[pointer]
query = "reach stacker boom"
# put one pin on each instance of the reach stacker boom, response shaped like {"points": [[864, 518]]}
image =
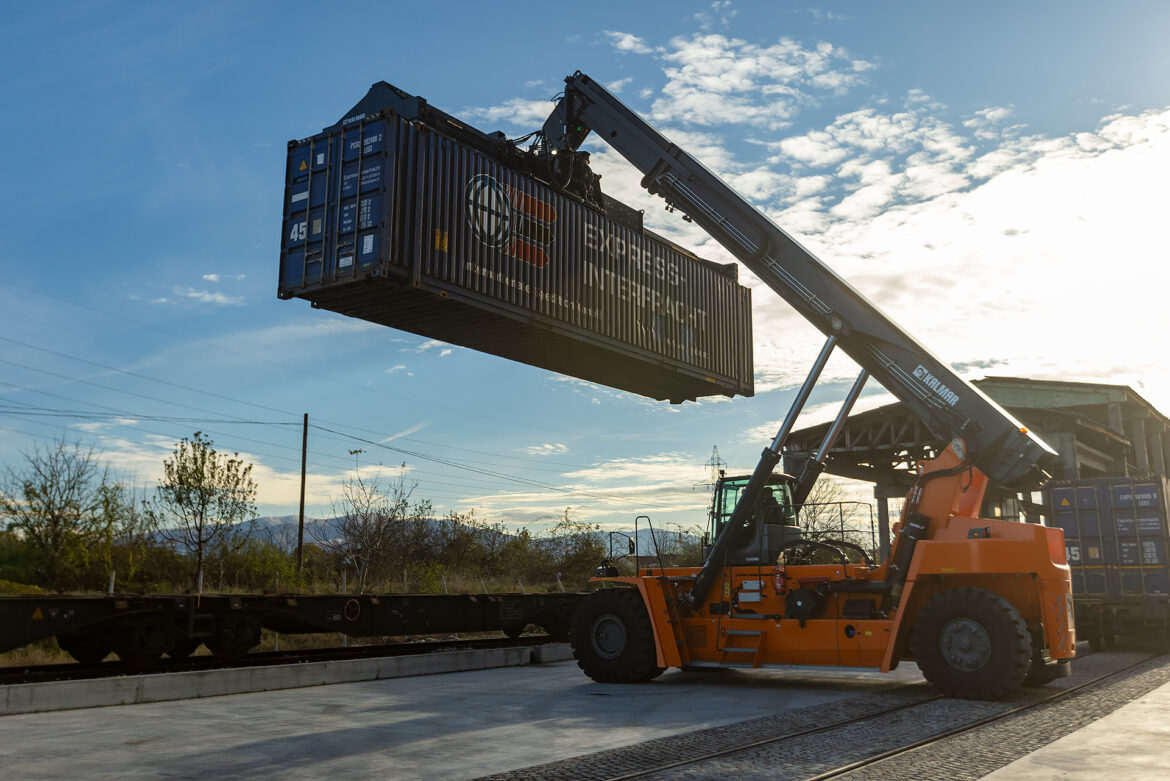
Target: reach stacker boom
{"points": [[982, 605]]}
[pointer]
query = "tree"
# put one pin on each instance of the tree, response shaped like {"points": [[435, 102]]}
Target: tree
{"points": [[829, 513], [52, 503], [206, 500], [121, 531], [368, 525]]}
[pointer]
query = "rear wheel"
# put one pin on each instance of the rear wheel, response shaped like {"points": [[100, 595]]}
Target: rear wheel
{"points": [[613, 639], [973, 644]]}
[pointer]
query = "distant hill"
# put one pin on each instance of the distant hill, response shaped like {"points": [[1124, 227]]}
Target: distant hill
{"points": [[281, 530]]}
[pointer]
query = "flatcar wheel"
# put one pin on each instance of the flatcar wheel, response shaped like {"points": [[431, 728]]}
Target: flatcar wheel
{"points": [[233, 639], [613, 638], [513, 632], [183, 648], [136, 646], [559, 624], [973, 644], [89, 648]]}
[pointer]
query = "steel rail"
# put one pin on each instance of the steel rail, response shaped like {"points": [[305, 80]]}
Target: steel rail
{"points": [[837, 772], [895, 752], [776, 739]]}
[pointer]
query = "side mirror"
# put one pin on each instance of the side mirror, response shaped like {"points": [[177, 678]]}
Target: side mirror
{"points": [[632, 548]]}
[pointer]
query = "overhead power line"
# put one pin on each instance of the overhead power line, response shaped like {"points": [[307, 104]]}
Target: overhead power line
{"points": [[209, 343], [268, 408]]}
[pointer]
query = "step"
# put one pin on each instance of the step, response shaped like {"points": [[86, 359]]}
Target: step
{"points": [[744, 632], [740, 650]]}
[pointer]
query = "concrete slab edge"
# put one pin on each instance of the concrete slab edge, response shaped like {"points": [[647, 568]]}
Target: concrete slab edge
{"points": [[132, 689]]}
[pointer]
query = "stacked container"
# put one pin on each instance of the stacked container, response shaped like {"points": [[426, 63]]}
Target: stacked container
{"points": [[1115, 533], [393, 220]]}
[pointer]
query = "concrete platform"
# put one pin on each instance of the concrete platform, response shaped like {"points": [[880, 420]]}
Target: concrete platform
{"points": [[452, 726], [1133, 742], [163, 687]]}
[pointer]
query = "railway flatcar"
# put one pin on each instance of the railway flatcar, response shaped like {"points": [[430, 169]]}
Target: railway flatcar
{"points": [[140, 628]]}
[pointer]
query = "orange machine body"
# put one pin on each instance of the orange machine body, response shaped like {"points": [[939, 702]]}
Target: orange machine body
{"points": [[746, 620]]}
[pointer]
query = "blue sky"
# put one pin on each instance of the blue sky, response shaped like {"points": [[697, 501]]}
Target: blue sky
{"points": [[986, 174]]}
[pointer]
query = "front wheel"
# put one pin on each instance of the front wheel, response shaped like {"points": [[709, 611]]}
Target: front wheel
{"points": [[973, 644], [613, 638]]}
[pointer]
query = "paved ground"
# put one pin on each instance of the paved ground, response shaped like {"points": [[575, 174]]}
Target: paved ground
{"points": [[1133, 742], [457, 725]]}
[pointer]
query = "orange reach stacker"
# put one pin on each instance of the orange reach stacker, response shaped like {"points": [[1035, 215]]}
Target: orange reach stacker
{"points": [[982, 605]]}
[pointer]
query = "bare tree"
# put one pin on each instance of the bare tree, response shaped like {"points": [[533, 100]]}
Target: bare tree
{"points": [[830, 513], [52, 503], [205, 501], [368, 524]]}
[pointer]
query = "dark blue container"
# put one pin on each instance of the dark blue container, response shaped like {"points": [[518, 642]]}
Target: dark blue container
{"points": [[1116, 535], [407, 222]]}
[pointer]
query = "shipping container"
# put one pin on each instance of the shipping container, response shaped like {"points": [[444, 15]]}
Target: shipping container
{"points": [[1116, 533], [403, 220]]}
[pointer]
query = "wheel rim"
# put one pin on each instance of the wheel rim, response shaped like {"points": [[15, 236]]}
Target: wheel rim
{"points": [[608, 636], [965, 644]]}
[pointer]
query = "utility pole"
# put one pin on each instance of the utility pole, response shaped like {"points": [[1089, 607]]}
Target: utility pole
{"points": [[301, 519]]}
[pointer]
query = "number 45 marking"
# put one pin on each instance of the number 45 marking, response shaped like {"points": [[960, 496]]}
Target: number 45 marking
{"points": [[298, 231]]}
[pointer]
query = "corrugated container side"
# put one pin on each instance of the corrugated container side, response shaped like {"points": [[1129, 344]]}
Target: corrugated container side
{"points": [[395, 223], [1116, 534]]}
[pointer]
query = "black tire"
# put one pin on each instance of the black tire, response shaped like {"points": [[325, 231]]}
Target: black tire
{"points": [[88, 648], [514, 632], [1037, 670], [973, 644], [612, 637]]}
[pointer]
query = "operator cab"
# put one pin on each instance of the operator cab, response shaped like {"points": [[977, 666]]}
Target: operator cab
{"points": [[772, 523]]}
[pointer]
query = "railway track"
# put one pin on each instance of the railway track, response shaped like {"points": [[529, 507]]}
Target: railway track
{"points": [[885, 735], [75, 671]]}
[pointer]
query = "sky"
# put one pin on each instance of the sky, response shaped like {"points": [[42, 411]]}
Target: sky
{"points": [[990, 175]]}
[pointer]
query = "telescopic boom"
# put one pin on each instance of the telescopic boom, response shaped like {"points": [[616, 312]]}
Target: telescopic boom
{"points": [[999, 445]]}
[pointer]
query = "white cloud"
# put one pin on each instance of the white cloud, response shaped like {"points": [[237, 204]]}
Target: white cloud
{"points": [[97, 426], [716, 80], [208, 297], [617, 86], [667, 486], [628, 43], [547, 449], [219, 277], [517, 112], [720, 14]]}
